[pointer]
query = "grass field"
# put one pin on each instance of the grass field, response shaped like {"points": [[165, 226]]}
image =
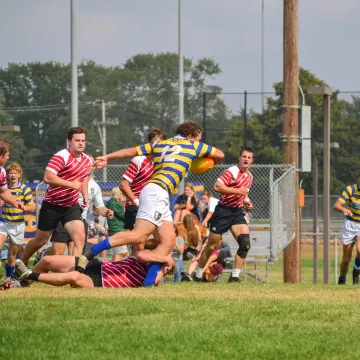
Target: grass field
{"points": [[181, 321], [184, 321]]}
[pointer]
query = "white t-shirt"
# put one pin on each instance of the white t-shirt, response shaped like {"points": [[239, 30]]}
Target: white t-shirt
{"points": [[211, 204], [94, 197]]}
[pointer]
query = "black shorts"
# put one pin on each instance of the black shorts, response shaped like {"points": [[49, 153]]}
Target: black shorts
{"points": [[93, 270], [51, 214], [60, 235], [130, 216], [224, 218]]}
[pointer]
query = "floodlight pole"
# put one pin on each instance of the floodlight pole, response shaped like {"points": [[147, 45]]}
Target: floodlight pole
{"points": [[181, 80], [74, 76]]}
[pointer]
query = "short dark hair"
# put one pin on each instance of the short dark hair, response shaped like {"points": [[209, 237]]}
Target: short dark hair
{"points": [[4, 147], [76, 130], [246, 148], [156, 132], [189, 128]]}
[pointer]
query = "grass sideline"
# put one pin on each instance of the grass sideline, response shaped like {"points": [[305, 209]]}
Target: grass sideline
{"points": [[181, 321]]}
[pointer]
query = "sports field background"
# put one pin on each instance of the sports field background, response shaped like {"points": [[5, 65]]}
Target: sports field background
{"points": [[181, 321]]}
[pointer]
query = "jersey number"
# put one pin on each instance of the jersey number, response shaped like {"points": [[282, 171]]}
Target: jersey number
{"points": [[170, 157]]}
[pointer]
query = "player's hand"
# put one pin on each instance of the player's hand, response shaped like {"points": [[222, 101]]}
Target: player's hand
{"points": [[100, 162], [169, 261], [347, 212], [76, 184], [249, 206], [85, 203], [109, 214], [2, 202], [205, 223], [21, 206]]}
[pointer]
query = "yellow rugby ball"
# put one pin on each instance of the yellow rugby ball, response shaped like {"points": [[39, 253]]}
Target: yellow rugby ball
{"points": [[202, 165]]}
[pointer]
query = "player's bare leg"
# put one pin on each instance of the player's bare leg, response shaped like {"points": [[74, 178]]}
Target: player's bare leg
{"points": [[142, 230], [61, 270], [55, 263], [212, 244], [241, 234], [58, 249], [73, 278], [35, 244], [76, 230]]}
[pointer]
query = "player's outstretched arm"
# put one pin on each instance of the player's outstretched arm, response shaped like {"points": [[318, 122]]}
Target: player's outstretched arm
{"points": [[151, 256], [102, 161]]}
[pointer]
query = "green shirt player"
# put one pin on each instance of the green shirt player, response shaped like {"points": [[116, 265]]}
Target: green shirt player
{"points": [[349, 204], [172, 160]]}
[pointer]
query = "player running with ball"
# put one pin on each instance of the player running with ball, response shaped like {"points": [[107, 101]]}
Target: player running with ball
{"points": [[172, 160]]}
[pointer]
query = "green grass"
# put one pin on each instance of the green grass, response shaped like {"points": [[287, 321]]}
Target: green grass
{"points": [[181, 321]]}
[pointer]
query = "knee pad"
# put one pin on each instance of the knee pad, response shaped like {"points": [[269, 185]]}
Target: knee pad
{"points": [[244, 245]]}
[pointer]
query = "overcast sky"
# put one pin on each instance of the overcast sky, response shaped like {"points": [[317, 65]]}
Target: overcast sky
{"points": [[229, 31]]}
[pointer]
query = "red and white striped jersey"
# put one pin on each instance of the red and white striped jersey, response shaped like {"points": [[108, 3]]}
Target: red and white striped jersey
{"points": [[138, 173], [67, 167], [235, 178], [125, 273], [3, 183]]}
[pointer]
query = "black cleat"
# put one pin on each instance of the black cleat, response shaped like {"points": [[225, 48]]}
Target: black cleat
{"points": [[197, 279], [233, 279], [186, 278], [356, 274], [342, 282]]}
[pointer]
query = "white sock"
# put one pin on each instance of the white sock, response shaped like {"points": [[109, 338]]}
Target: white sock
{"points": [[235, 273], [199, 273]]}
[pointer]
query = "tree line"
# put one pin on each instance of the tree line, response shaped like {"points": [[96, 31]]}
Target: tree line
{"points": [[144, 92]]}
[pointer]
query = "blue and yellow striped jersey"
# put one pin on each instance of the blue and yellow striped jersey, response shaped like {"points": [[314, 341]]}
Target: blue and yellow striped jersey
{"points": [[22, 193], [173, 158], [351, 196]]}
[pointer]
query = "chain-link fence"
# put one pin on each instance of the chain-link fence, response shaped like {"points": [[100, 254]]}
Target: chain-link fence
{"points": [[272, 193]]}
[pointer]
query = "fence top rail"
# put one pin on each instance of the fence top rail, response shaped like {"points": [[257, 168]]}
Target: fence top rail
{"points": [[283, 175], [256, 166]]}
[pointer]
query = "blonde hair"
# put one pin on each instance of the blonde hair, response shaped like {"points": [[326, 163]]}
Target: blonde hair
{"points": [[14, 167], [192, 233], [191, 186], [115, 192]]}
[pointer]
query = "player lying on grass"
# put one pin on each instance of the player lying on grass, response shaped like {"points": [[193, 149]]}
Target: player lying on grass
{"points": [[59, 270]]}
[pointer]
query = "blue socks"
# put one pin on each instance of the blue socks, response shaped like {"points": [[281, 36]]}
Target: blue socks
{"points": [[152, 273], [357, 263], [9, 270], [101, 246]]}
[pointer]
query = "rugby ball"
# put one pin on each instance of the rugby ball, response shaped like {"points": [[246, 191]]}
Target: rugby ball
{"points": [[202, 165]]}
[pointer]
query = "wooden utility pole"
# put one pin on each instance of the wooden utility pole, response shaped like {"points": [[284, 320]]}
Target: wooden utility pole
{"points": [[292, 271]]}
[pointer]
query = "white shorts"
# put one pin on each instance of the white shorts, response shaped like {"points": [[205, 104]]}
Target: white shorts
{"points": [[122, 249], [15, 232], [350, 230], [154, 204]]}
